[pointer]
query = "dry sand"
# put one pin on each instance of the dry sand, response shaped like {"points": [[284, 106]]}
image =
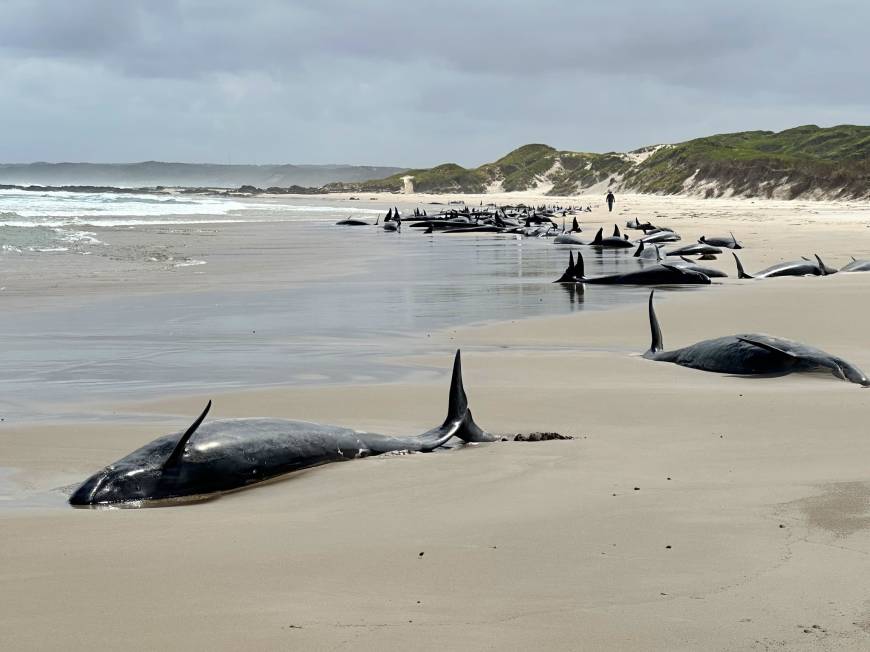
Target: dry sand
{"points": [[693, 511]]}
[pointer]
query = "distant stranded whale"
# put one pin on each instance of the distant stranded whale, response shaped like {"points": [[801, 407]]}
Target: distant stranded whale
{"points": [[857, 266], [352, 221], [616, 241], [662, 274], [230, 454], [716, 241], [750, 354], [802, 267]]}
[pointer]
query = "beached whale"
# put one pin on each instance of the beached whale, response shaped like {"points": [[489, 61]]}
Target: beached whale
{"points": [[648, 253], [728, 243], [352, 221], [662, 235], [230, 454], [568, 238], [857, 266], [698, 248], [613, 242], [750, 354], [802, 267], [636, 224], [706, 271], [653, 275]]}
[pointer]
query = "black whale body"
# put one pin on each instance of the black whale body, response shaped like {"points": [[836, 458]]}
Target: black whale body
{"points": [[230, 454], [750, 354], [802, 267], [659, 274]]}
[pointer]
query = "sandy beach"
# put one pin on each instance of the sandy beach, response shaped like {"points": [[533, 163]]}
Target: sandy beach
{"points": [[691, 511]]}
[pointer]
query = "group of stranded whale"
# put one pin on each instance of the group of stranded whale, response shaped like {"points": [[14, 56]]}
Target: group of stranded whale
{"points": [[225, 455], [516, 221]]}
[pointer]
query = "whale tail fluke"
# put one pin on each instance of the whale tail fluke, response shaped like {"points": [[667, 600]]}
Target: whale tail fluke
{"points": [[568, 274], [656, 344], [458, 411], [735, 245], [741, 273], [459, 422], [579, 269]]}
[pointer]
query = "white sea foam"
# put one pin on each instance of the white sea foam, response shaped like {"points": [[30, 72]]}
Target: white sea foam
{"points": [[59, 218]]}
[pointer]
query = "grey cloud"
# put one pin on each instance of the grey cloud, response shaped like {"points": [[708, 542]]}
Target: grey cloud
{"points": [[414, 83]]}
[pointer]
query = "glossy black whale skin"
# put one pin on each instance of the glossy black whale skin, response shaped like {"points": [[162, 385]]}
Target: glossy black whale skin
{"points": [[750, 354], [229, 454]]}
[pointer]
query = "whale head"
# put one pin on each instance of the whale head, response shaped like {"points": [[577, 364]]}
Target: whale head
{"points": [[851, 373], [120, 483], [153, 472]]}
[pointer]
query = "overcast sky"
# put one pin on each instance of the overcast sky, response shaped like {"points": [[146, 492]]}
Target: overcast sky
{"points": [[414, 83]]}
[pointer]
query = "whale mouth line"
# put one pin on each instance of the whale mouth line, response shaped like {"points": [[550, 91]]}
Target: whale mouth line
{"points": [[142, 503]]}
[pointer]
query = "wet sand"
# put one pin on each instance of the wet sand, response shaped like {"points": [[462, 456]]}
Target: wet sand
{"points": [[692, 511]]}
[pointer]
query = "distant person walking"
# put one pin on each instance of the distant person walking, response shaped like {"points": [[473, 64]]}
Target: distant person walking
{"points": [[610, 199]]}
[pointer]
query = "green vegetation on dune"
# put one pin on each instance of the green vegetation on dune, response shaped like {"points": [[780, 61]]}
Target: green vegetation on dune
{"points": [[804, 161], [834, 161]]}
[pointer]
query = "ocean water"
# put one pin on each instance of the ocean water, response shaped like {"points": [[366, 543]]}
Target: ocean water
{"points": [[58, 221], [344, 329]]}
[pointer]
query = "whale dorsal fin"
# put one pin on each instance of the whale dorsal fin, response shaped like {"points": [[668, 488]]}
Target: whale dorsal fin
{"points": [[597, 239], [822, 268], [178, 451], [768, 347], [639, 250], [616, 233]]}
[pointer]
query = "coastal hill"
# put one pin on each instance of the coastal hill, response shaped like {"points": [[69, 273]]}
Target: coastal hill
{"points": [[804, 162], [157, 173]]}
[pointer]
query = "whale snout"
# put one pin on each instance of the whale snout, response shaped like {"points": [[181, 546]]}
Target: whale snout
{"points": [[89, 492], [853, 374]]}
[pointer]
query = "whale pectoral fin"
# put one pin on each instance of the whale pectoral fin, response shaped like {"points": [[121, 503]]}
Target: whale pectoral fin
{"points": [[768, 347], [837, 370]]}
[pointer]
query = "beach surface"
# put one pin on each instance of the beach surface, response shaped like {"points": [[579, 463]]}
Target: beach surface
{"points": [[691, 511]]}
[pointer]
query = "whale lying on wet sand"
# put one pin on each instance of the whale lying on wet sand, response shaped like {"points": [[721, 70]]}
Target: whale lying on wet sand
{"points": [[750, 354], [802, 267], [707, 271], [662, 235], [230, 454], [568, 238], [695, 249], [857, 266], [653, 275], [613, 242], [728, 243]]}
